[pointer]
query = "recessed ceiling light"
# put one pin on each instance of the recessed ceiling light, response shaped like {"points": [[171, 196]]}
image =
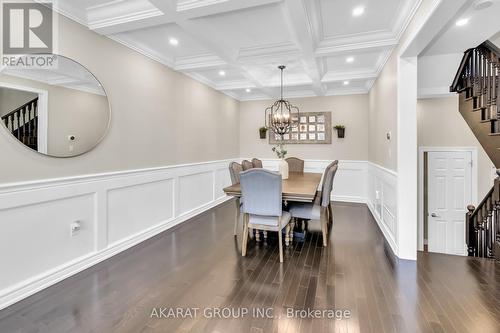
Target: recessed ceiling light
{"points": [[222, 73], [482, 4], [346, 83], [349, 59], [248, 90], [173, 41], [462, 22], [358, 11]]}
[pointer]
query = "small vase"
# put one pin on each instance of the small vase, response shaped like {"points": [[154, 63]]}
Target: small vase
{"points": [[283, 169]]}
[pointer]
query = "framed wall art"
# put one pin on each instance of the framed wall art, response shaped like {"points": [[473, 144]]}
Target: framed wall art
{"points": [[312, 128]]}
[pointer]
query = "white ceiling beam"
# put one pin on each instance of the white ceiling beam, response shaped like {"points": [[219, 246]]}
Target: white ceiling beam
{"points": [[351, 75], [297, 19], [208, 41], [332, 48]]}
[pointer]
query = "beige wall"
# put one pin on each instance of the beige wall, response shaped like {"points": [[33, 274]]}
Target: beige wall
{"points": [[351, 111], [440, 124], [160, 117], [384, 98], [383, 117], [70, 112], [11, 99]]}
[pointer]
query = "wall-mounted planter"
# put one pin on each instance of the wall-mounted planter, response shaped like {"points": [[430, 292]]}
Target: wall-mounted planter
{"points": [[340, 131], [262, 132]]}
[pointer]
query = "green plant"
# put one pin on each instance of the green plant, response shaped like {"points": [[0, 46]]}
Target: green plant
{"points": [[280, 150], [337, 127]]}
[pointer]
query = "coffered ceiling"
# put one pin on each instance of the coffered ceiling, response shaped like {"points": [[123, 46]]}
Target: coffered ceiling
{"points": [[330, 47]]}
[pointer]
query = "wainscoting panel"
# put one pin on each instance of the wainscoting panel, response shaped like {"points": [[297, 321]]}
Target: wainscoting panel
{"points": [[195, 191], [116, 211], [121, 209], [37, 237], [381, 200], [135, 208]]}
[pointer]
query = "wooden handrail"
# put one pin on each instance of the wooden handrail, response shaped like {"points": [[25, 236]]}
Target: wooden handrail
{"points": [[483, 224], [34, 100]]}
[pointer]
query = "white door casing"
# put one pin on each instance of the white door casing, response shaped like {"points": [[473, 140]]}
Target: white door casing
{"points": [[449, 193]]}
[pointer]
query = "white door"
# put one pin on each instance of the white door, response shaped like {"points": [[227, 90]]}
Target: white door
{"points": [[449, 191]]}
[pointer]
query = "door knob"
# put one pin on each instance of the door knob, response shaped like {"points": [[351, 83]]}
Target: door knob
{"points": [[434, 215]]}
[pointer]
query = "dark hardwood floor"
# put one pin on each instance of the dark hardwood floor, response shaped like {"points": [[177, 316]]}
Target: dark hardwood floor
{"points": [[198, 264]]}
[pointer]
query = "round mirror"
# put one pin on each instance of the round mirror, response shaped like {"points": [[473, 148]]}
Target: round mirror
{"points": [[59, 109]]}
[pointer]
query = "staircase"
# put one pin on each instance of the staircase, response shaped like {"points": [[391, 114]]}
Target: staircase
{"points": [[477, 83], [23, 122]]}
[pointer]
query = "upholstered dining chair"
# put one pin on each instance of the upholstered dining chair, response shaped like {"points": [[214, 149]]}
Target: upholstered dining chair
{"points": [[247, 165], [234, 171], [314, 211], [256, 163], [262, 205], [295, 164]]}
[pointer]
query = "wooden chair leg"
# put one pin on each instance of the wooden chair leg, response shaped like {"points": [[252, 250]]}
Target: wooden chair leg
{"points": [[287, 234], [330, 212], [237, 216], [324, 223], [245, 235], [280, 245]]}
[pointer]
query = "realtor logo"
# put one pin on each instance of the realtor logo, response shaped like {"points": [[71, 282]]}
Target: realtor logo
{"points": [[28, 28]]}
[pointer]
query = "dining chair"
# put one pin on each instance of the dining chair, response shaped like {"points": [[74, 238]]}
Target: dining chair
{"points": [[314, 211], [295, 164], [262, 205], [234, 171], [256, 163], [247, 165]]}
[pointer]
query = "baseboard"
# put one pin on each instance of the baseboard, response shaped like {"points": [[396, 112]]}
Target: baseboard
{"points": [[47, 279]]}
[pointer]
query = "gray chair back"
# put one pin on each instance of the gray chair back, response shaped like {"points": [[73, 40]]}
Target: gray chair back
{"points": [[295, 164], [261, 192], [247, 165], [256, 163], [327, 186], [234, 171]]}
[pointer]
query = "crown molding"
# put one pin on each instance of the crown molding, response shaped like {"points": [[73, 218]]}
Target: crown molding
{"points": [[124, 19], [144, 51], [405, 17], [201, 61], [211, 84], [192, 4]]}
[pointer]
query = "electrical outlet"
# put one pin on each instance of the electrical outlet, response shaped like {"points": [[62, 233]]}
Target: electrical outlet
{"points": [[75, 227], [377, 195]]}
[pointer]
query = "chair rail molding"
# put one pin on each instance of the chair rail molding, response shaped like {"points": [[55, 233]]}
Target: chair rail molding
{"points": [[115, 211]]}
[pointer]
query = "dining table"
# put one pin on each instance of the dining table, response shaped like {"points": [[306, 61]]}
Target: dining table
{"points": [[299, 187]]}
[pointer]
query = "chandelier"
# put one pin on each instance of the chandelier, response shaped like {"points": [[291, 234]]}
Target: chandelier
{"points": [[282, 115]]}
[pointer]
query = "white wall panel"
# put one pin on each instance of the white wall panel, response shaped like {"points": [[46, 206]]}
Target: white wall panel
{"points": [[195, 191], [117, 210], [37, 238], [382, 201], [135, 208]]}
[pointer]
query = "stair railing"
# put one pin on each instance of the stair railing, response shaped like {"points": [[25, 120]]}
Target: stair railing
{"points": [[478, 76], [22, 122], [483, 225]]}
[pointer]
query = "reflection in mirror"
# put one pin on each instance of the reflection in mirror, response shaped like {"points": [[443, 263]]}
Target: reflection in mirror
{"points": [[61, 111]]}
